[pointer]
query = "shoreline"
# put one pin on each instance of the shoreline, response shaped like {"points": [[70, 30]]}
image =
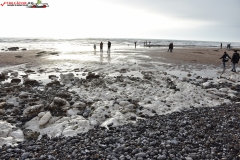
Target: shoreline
{"points": [[179, 56]]}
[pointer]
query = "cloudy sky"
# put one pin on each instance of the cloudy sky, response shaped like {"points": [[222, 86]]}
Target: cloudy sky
{"points": [[209, 20]]}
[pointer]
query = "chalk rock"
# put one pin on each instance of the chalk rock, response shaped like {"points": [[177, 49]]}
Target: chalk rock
{"points": [[41, 114], [124, 103], [66, 78], [32, 110], [17, 135], [206, 84], [45, 119], [6, 128], [233, 78], [223, 89], [221, 80]]}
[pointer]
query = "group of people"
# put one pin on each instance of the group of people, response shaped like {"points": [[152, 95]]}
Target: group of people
{"points": [[147, 43], [234, 60], [101, 47]]}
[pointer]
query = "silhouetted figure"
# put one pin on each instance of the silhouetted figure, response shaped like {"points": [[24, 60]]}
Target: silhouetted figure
{"points": [[225, 58], [228, 46], [149, 44], [235, 59], [135, 44], [94, 47], [144, 44], [109, 47], [170, 47], [101, 47], [221, 45]]}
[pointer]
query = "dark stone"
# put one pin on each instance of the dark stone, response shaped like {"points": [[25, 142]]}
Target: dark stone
{"points": [[15, 80], [30, 82], [57, 83], [13, 48]]}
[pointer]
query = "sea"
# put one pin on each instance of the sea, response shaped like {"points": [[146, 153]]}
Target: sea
{"points": [[86, 44]]}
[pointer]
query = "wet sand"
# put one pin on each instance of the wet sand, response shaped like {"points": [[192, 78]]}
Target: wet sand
{"points": [[179, 56]]}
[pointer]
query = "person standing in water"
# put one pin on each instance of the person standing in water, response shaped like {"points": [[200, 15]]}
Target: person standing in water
{"points": [[101, 47], [109, 47], [135, 44]]}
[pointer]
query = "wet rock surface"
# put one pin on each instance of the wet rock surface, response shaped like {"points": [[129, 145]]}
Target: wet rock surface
{"points": [[118, 117], [199, 133]]}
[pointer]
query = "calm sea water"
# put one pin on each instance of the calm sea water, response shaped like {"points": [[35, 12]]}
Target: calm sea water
{"points": [[76, 45]]}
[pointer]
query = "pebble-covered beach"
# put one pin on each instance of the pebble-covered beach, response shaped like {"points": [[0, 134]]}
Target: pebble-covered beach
{"points": [[119, 109]]}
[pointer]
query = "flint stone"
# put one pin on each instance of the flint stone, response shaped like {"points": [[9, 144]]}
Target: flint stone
{"points": [[15, 80], [13, 48], [2, 76], [3, 105], [60, 103], [2, 112], [50, 84], [30, 135], [30, 82], [91, 75], [32, 110]]}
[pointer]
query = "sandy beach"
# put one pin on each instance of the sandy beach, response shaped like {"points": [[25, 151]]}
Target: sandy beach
{"points": [[179, 56]]}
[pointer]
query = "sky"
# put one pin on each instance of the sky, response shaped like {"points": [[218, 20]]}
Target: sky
{"points": [[207, 20]]}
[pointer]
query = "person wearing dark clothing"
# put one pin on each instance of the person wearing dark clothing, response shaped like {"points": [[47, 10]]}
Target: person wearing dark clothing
{"points": [[135, 44], [101, 47], [221, 45], [225, 58], [235, 59], [170, 47], [229, 46], [109, 47]]}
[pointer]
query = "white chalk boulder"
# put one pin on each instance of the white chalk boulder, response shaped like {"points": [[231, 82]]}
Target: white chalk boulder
{"points": [[45, 119]]}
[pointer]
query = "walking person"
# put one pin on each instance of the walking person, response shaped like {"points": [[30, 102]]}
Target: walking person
{"points": [[225, 58], [109, 47], [235, 59], [101, 47]]}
